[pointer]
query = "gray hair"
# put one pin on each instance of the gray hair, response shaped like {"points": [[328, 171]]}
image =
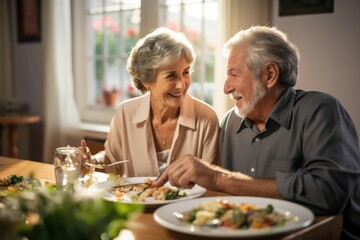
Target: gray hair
{"points": [[158, 49], [268, 44]]}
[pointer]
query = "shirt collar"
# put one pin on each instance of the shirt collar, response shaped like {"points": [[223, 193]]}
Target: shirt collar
{"points": [[143, 111], [187, 111], [281, 113]]}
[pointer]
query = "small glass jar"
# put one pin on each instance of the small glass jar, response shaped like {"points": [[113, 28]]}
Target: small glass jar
{"points": [[67, 163]]}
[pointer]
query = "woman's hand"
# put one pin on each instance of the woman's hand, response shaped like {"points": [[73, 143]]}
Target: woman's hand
{"points": [[85, 157]]}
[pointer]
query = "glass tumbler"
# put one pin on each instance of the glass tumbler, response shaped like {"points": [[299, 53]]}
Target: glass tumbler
{"points": [[67, 165]]}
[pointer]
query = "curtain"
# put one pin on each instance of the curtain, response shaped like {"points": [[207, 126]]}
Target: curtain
{"points": [[234, 15], [6, 91], [61, 117]]}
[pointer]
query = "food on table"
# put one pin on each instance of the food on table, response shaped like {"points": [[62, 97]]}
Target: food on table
{"points": [[10, 180], [16, 184], [236, 216], [114, 177], [139, 192]]}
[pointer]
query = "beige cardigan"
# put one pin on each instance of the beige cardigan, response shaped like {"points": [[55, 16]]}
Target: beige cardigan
{"points": [[131, 137]]}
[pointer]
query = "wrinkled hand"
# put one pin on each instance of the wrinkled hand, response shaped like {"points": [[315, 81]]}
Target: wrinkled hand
{"points": [[85, 157], [187, 171]]}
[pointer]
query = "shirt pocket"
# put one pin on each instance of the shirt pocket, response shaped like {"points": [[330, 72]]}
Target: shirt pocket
{"points": [[290, 164]]}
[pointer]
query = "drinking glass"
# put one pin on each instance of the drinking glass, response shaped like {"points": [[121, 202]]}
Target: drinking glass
{"points": [[67, 163]]}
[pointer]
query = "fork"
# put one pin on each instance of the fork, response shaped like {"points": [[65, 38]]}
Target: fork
{"points": [[161, 170], [103, 166]]}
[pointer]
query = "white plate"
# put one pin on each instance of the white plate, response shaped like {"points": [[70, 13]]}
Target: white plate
{"points": [[95, 177], [164, 216], [105, 189], [100, 177]]}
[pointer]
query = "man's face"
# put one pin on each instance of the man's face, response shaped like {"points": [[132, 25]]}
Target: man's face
{"points": [[240, 83]]}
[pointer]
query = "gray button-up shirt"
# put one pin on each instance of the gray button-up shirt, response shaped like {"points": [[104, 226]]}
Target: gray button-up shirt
{"points": [[309, 145]]}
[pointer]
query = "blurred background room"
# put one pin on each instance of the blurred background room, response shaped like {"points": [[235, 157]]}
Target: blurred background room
{"points": [[64, 61]]}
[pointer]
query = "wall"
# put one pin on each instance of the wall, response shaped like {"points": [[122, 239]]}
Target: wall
{"points": [[28, 88], [330, 48]]}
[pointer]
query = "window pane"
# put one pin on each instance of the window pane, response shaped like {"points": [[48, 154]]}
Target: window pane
{"points": [[113, 28], [94, 6], [112, 75], [95, 36], [193, 20], [197, 19], [191, 1], [131, 28], [95, 76], [173, 18], [111, 32], [210, 24]]}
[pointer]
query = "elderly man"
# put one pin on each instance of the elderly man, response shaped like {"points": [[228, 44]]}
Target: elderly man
{"points": [[279, 142]]}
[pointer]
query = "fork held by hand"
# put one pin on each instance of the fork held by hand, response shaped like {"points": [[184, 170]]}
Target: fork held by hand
{"points": [[103, 166], [161, 170]]}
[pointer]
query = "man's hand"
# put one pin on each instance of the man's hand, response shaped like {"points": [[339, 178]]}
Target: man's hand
{"points": [[187, 171]]}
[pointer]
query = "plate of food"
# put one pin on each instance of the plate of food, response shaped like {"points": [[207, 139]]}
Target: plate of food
{"points": [[231, 216], [139, 190], [13, 184]]}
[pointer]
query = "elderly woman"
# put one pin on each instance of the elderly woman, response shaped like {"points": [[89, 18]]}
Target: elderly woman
{"points": [[153, 130]]}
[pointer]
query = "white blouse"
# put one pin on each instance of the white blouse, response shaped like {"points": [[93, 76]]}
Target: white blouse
{"points": [[131, 136]]}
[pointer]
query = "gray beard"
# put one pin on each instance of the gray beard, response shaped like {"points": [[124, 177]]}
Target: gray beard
{"points": [[258, 94]]}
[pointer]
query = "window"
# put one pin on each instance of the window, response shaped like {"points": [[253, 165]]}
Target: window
{"points": [[105, 31], [197, 19], [113, 28]]}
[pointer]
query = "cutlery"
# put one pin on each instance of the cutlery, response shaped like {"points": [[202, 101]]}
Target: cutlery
{"points": [[212, 223], [135, 184], [103, 166], [161, 170], [127, 185]]}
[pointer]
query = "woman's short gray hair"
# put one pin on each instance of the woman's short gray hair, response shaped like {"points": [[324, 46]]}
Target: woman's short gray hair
{"points": [[268, 44], [158, 49]]}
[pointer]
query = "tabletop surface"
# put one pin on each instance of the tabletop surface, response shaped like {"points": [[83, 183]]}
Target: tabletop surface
{"points": [[145, 227]]}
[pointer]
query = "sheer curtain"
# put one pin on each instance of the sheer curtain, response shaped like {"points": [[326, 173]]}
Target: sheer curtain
{"points": [[61, 117], [234, 15], [5, 55]]}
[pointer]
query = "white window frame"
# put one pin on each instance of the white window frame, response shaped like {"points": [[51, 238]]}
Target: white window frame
{"points": [[150, 19]]}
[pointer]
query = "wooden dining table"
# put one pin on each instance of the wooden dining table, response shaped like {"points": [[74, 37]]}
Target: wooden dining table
{"points": [[144, 227]]}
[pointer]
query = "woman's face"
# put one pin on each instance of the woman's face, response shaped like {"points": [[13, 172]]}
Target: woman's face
{"points": [[170, 84]]}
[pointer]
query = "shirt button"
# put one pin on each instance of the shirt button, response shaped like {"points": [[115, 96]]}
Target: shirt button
{"points": [[252, 170], [257, 139]]}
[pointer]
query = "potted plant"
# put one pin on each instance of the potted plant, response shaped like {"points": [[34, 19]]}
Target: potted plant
{"points": [[111, 95]]}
